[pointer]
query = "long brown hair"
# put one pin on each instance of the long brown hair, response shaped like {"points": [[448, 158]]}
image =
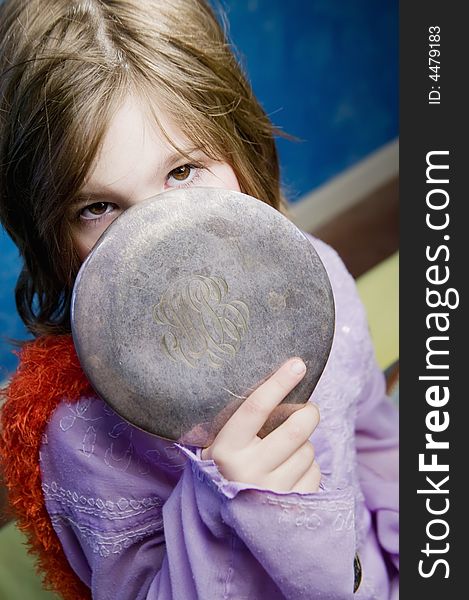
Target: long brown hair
{"points": [[65, 68]]}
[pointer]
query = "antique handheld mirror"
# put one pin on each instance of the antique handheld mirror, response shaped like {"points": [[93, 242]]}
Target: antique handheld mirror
{"points": [[189, 301]]}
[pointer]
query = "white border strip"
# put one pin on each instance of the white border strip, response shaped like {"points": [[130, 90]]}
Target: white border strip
{"points": [[348, 188]]}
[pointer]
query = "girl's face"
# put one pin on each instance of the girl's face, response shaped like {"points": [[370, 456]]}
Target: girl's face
{"points": [[137, 162]]}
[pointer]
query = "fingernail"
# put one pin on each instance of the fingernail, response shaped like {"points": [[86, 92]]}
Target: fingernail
{"points": [[297, 367]]}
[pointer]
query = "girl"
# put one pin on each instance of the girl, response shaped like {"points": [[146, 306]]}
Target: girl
{"points": [[104, 103]]}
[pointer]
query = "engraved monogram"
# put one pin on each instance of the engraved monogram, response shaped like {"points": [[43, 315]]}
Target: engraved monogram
{"points": [[200, 321]]}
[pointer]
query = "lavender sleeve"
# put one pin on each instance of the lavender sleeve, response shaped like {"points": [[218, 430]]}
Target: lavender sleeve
{"points": [[141, 518], [376, 441]]}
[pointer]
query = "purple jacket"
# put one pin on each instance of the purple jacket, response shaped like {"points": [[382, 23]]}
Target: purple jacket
{"points": [[142, 518]]}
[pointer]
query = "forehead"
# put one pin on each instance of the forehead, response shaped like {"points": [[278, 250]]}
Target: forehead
{"points": [[133, 137]]}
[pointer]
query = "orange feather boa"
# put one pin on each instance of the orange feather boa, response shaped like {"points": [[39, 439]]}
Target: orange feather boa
{"points": [[49, 371]]}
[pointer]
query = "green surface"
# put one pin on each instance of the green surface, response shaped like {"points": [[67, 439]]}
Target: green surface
{"points": [[379, 291], [18, 580]]}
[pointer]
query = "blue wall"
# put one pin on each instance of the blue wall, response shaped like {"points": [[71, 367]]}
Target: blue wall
{"points": [[326, 71]]}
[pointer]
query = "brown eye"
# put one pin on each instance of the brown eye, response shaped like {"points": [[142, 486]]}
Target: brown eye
{"points": [[97, 209], [94, 212], [181, 173]]}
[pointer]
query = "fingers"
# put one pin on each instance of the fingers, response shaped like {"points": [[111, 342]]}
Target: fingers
{"points": [[310, 481], [284, 459], [284, 441], [287, 475], [245, 423]]}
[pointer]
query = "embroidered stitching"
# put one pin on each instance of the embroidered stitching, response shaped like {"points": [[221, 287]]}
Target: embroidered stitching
{"points": [[107, 543], [77, 411], [122, 509], [324, 505]]}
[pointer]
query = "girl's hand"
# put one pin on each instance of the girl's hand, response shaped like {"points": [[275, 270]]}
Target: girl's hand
{"points": [[283, 461]]}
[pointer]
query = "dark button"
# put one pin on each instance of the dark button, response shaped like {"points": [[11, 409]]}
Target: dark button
{"points": [[357, 567]]}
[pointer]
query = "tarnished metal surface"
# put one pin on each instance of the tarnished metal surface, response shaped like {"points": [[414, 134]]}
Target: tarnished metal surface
{"points": [[190, 300]]}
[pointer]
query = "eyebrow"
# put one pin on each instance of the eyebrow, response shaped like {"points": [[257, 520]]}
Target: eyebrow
{"points": [[82, 197], [175, 156]]}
